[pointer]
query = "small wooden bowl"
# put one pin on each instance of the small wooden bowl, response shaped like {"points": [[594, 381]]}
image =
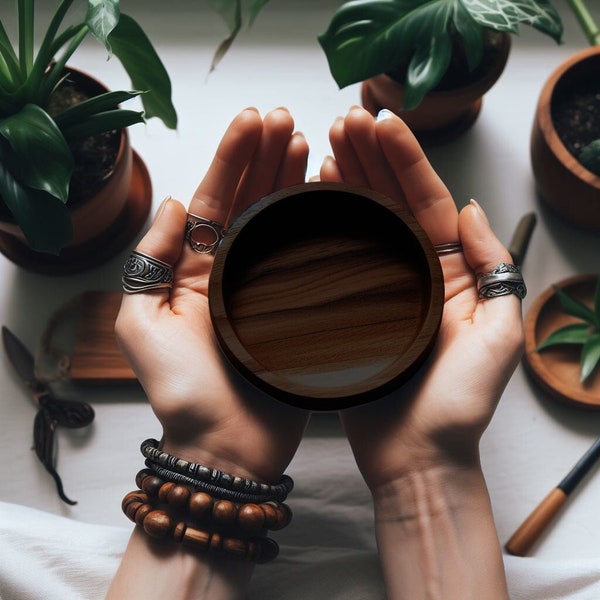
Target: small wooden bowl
{"points": [[556, 370], [326, 296]]}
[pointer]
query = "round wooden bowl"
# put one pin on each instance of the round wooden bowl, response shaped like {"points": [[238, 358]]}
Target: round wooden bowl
{"points": [[556, 370], [326, 296]]}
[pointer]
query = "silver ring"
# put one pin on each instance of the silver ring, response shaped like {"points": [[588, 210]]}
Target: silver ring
{"points": [[144, 273], [449, 248], [505, 279], [203, 235]]}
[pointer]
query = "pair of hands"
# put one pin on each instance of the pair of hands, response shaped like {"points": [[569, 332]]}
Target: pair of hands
{"points": [[210, 415]]}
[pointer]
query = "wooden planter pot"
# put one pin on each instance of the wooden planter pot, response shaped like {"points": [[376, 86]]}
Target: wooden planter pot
{"points": [[443, 114], [103, 223], [563, 183]]}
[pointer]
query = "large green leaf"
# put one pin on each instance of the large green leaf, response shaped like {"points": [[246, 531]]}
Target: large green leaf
{"points": [[102, 17], [369, 37], [590, 356], [44, 220], [504, 15], [41, 154], [147, 72], [574, 307], [101, 122]]}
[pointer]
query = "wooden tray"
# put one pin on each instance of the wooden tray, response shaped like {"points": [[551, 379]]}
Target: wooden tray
{"points": [[556, 370], [326, 296]]}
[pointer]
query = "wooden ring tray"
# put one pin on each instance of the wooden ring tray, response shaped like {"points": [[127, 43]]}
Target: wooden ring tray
{"points": [[326, 296]]}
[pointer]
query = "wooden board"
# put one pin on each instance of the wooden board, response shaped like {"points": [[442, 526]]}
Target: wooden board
{"points": [[96, 356]]}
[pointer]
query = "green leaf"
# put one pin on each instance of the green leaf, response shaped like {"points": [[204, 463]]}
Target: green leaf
{"points": [[254, 7], [597, 304], [231, 11], [577, 333], [507, 16], [589, 157], [42, 156], [590, 356], [137, 55], [92, 106], [574, 307], [102, 17], [44, 220], [472, 37], [101, 122]]}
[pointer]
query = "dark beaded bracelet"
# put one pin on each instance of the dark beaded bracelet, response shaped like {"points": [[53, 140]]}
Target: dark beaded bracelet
{"points": [[251, 518], [161, 525], [221, 480], [209, 488]]}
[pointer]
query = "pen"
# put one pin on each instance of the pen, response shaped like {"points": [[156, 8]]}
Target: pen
{"points": [[532, 527]]}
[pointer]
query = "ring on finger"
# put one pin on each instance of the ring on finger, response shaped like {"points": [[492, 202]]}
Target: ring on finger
{"points": [[503, 280], [203, 235], [449, 248], [144, 273]]}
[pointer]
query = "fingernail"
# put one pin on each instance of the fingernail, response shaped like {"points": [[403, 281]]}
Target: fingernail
{"points": [[384, 114], [476, 205]]}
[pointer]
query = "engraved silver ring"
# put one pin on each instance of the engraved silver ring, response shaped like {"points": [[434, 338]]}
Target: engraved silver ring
{"points": [[503, 280], [203, 235], [144, 273]]}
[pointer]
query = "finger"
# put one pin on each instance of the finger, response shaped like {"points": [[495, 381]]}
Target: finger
{"points": [[361, 131], [348, 162], [330, 171], [163, 241], [214, 196], [261, 175], [293, 167], [427, 196]]}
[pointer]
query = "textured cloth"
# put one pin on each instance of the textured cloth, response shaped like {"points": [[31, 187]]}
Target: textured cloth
{"points": [[48, 557]]}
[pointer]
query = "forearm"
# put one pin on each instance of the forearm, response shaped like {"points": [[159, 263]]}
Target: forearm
{"points": [[158, 569], [437, 538]]}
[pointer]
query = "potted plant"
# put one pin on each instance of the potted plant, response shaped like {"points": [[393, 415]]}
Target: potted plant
{"points": [[52, 116], [430, 61], [565, 136]]}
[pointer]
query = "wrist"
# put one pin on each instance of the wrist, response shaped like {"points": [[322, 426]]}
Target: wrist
{"points": [[436, 535]]}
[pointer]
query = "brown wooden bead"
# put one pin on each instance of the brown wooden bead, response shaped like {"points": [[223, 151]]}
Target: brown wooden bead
{"points": [[142, 512], [200, 504], [179, 531], [158, 524], [151, 484], [178, 496], [164, 490], [269, 549], [235, 548], [216, 542], [136, 496], [141, 476], [253, 552], [196, 539], [132, 508], [224, 512], [270, 515], [251, 518], [284, 515]]}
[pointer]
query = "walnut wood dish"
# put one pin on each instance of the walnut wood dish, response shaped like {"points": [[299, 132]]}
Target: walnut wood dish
{"points": [[556, 370], [326, 296]]}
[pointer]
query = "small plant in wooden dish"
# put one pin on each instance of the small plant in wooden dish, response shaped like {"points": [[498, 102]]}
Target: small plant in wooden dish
{"points": [[585, 332]]}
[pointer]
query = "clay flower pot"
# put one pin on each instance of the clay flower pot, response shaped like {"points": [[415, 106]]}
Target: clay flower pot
{"points": [[564, 184], [443, 114], [103, 223]]}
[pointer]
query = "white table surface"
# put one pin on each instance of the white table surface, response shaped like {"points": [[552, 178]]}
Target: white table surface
{"points": [[533, 440]]}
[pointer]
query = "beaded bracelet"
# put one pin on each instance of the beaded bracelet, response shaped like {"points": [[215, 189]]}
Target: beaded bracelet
{"points": [[161, 525], [221, 480], [251, 518], [209, 488]]}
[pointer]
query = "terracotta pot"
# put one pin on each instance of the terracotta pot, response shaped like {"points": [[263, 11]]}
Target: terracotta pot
{"points": [[442, 115], [564, 184], [103, 223]]}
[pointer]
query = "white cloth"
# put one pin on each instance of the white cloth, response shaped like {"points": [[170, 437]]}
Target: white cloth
{"points": [[48, 557]]}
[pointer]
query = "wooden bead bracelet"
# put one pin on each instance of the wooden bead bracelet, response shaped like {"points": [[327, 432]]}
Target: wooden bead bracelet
{"points": [[250, 518], [161, 525]]}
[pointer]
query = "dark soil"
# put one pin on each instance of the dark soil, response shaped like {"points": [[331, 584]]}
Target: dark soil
{"points": [[576, 114], [94, 156]]}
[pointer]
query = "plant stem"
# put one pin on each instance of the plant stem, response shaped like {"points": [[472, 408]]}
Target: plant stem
{"points": [[25, 9], [586, 21]]}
